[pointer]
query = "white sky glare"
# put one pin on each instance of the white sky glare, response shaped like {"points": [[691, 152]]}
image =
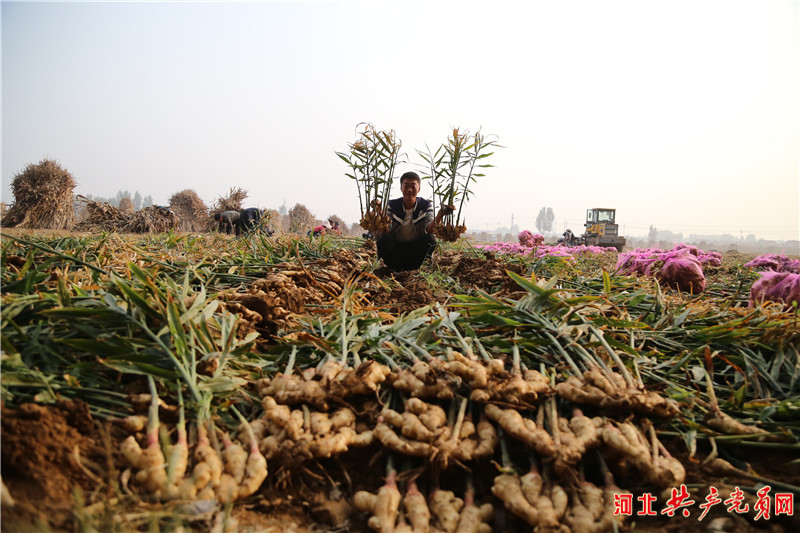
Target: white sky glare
{"points": [[681, 114]]}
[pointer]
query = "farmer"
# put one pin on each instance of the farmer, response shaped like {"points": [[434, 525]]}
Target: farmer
{"points": [[316, 231], [410, 238], [248, 220], [334, 226], [227, 221]]}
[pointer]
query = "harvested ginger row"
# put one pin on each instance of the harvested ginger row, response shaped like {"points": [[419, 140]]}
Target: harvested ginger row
{"points": [[584, 508], [316, 387], [519, 388], [609, 391], [651, 460], [442, 512], [523, 429], [425, 380], [529, 499], [573, 438], [422, 431], [230, 475], [294, 435], [591, 508], [436, 379]]}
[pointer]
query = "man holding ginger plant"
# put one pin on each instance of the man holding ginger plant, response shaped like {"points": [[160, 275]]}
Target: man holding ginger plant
{"points": [[410, 239]]}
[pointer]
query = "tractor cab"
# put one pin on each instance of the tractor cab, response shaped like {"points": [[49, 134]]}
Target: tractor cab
{"points": [[600, 221]]}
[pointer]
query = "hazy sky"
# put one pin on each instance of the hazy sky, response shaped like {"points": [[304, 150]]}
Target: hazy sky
{"points": [[681, 114]]}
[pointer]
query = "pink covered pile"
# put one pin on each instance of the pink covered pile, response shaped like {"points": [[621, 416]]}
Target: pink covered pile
{"points": [[679, 268], [776, 287], [713, 259], [526, 238], [775, 262], [532, 244]]}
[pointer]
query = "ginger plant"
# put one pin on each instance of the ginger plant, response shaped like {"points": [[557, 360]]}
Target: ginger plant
{"points": [[454, 166], [372, 159]]}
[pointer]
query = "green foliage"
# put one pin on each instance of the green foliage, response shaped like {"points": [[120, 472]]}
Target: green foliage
{"points": [[455, 166], [372, 159]]}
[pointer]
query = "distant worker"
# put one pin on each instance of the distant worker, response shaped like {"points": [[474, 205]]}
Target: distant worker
{"points": [[248, 220], [410, 239], [227, 221], [316, 231], [334, 226], [569, 238]]}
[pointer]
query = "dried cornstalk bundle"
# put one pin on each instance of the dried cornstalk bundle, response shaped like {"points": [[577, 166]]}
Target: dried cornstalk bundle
{"points": [[153, 219], [100, 216], [126, 205], [106, 217], [231, 202], [191, 211], [43, 197], [608, 390]]}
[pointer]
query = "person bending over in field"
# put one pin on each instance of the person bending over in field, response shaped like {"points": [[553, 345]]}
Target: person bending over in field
{"points": [[335, 227], [248, 220], [410, 238], [316, 231], [227, 221]]}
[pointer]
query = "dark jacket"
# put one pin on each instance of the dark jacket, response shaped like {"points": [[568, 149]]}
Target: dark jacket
{"points": [[248, 220], [227, 220], [422, 217]]}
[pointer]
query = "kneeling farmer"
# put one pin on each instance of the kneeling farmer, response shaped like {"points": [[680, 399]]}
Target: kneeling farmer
{"points": [[410, 239]]}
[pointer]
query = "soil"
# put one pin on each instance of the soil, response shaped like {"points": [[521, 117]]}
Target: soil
{"points": [[47, 453]]}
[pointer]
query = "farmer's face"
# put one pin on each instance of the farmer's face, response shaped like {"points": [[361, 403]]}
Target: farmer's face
{"points": [[410, 189]]}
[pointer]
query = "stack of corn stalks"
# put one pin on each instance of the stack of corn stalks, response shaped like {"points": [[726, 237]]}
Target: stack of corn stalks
{"points": [[42, 197], [126, 205], [191, 211], [232, 202], [103, 216]]}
